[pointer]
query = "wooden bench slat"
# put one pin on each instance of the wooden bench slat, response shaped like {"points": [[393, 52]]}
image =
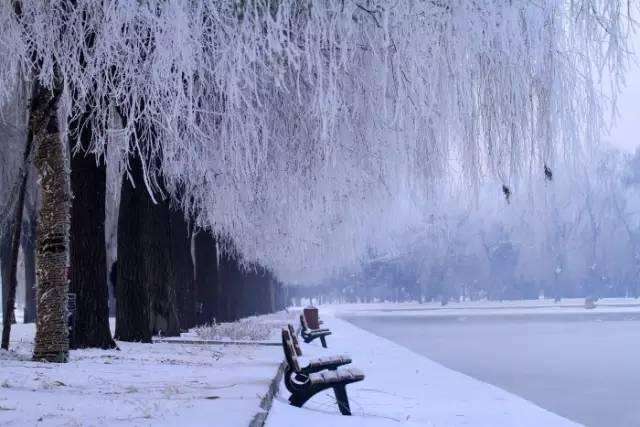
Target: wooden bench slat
{"points": [[341, 375], [326, 361]]}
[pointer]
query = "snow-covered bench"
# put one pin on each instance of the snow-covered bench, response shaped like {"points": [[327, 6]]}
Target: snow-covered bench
{"points": [[309, 334], [304, 382], [320, 363]]}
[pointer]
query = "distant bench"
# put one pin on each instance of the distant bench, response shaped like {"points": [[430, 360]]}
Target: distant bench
{"points": [[309, 334], [318, 375]]}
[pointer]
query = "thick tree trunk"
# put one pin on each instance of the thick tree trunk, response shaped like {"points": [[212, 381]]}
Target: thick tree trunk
{"points": [[230, 278], [88, 250], [206, 275], [183, 263], [249, 294], [146, 292], [52, 340], [159, 269], [262, 291], [266, 288], [132, 297], [29, 253], [225, 285], [256, 293]]}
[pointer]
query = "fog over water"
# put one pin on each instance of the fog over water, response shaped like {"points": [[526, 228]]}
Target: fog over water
{"points": [[583, 367]]}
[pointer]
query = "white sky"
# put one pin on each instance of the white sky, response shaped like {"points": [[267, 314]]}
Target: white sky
{"points": [[626, 132]]}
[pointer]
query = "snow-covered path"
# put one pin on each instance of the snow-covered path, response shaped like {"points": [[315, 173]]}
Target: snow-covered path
{"points": [[402, 387], [157, 384]]}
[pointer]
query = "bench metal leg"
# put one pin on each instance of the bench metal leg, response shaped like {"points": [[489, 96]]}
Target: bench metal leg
{"points": [[342, 399], [299, 399], [323, 341]]}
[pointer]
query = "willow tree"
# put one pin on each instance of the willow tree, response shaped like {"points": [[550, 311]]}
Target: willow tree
{"points": [[147, 301], [88, 256], [291, 126], [52, 162]]}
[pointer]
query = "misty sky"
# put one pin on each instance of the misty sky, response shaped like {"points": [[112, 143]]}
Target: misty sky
{"points": [[626, 132]]}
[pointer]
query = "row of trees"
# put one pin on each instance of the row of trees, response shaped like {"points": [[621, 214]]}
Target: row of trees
{"points": [[170, 275], [288, 130]]}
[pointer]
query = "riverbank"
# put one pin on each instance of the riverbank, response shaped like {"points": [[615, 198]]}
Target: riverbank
{"points": [[160, 384], [207, 379], [404, 388]]}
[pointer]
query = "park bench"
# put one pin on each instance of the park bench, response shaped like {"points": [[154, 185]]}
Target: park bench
{"points": [[320, 363], [309, 334], [305, 382]]}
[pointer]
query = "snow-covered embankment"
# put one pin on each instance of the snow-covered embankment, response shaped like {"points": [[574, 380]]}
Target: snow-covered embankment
{"points": [[402, 387]]}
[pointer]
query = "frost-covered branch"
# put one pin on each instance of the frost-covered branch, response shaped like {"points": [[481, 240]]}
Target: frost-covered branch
{"points": [[293, 127]]}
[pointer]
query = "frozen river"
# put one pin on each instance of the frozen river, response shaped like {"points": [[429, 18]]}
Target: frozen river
{"points": [[583, 367]]}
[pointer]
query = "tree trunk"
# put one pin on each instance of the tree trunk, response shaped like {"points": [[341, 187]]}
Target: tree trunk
{"points": [[183, 263], [52, 340], [88, 249], [272, 294], [159, 269], [5, 262], [249, 294], [230, 278], [132, 297], [29, 253], [15, 233], [259, 292], [206, 275], [146, 295], [226, 285], [242, 296]]}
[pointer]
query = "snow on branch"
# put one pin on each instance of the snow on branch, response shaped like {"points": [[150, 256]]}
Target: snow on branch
{"points": [[292, 127]]}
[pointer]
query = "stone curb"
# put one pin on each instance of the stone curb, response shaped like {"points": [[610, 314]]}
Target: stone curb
{"points": [[260, 418]]}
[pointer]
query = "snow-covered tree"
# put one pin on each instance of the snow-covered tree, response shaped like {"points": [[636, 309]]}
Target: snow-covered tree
{"points": [[289, 127]]}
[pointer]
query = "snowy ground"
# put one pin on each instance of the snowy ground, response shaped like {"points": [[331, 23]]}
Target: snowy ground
{"points": [[142, 384], [222, 385], [403, 387]]}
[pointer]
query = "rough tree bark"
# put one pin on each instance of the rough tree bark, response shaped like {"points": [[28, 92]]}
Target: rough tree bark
{"points": [[51, 160], [206, 275], [88, 247], [248, 292], [183, 263], [146, 296], [226, 285], [132, 298], [159, 269], [230, 278]]}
